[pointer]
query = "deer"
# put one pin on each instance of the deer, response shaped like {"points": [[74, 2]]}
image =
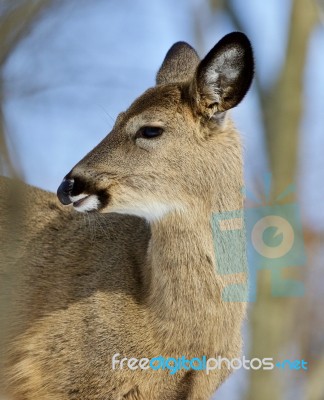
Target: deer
{"points": [[123, 266]]}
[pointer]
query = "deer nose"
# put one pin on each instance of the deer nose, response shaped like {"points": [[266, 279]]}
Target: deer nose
{"points": [[64, 191]]}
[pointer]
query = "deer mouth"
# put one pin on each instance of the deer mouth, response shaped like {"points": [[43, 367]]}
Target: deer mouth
{"points": [[79, 202], [83, 195], [85, 202]]}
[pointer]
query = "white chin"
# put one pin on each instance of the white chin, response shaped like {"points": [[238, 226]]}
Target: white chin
{"points": [[151, 211], [86, 203]]}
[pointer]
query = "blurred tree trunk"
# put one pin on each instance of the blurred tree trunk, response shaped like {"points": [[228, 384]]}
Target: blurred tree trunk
{"points": [[284, 107], [16, 20], [311, 318], [272, 318]]}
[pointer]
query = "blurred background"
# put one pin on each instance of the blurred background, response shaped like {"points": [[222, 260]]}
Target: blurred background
{"points": [[69, 67]]}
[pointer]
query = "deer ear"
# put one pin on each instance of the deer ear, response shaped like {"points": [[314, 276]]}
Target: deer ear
{"points": [[224, 76], [179, 64]]}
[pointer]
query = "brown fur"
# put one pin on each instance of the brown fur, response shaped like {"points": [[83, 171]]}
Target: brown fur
{"points": [[81, 287]]}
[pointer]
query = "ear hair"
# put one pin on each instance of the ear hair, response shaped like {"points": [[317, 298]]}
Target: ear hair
{"points": [[224, 76], [179, 64]]}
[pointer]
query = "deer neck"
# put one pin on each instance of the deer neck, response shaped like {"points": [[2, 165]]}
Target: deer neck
{"points": [[182, 284]]}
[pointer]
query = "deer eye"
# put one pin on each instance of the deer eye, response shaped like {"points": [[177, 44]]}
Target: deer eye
{"points": [[149, 132]]}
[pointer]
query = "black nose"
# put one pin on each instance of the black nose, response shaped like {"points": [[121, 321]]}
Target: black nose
{"points": [[64, 191]]}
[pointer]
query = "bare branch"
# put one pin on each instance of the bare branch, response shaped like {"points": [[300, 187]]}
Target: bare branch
{"points": [[320, 7], [15, 21]]}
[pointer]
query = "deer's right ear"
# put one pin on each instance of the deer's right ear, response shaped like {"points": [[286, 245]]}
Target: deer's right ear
{"points": [[179, 64], [224, 76]]}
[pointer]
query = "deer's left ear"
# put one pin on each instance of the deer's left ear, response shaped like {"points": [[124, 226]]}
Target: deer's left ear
{"points": [[224, 76]]}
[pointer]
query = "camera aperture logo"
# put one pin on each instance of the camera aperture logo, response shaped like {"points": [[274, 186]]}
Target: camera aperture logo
{"points": [[274, 242]]}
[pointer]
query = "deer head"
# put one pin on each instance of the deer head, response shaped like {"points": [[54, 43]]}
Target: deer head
{"points": [[174, 148]]}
